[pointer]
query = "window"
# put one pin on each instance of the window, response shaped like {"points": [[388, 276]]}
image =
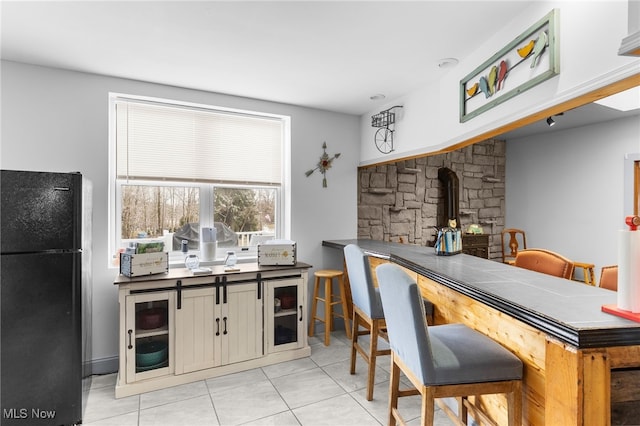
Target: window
{"points": [[177, 168]]}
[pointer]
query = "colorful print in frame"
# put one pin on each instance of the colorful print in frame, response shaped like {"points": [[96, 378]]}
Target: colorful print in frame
{"points": [[527, 61]]}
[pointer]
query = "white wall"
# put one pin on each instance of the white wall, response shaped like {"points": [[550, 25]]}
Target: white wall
{"points": [[565, 189], [55, 120], [590, 33]]}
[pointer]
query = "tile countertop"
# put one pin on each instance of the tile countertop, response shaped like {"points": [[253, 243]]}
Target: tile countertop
{"points": [[565, 309]]}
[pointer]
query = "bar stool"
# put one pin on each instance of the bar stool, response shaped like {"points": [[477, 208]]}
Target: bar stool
{"points": [[588, 275], [329, 301], [450, 360]]}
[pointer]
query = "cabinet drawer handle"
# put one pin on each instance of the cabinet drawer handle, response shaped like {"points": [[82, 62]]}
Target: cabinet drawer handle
{"points": [[217, 326], [225, 325], [300, 319], [130, 343]]}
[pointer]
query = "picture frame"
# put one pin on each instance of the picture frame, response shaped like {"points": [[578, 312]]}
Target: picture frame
{"points": [[527, 61]]}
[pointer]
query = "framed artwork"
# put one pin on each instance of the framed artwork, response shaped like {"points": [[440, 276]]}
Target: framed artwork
{"points": [[527, 61]]}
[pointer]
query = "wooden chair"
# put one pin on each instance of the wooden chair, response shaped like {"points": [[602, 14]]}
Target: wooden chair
{"points": [[367, 313], [443, 361], [517, 240], [609, 277], [545, 261]]}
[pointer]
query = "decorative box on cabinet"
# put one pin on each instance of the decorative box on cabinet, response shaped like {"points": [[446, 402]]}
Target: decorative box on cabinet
{"points": [[214, 324], [476, 245]]}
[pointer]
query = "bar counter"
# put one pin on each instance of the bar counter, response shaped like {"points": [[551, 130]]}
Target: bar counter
{"points": [[578, 359]]}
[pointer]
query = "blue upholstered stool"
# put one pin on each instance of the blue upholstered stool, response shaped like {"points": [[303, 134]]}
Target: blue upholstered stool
{"points": [[442, 361]]}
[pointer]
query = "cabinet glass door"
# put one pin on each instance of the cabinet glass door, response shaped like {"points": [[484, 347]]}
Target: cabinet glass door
{"points": [[284, 315], [148, 338]]}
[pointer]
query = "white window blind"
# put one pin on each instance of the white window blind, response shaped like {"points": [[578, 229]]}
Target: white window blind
{"points": [[160, 142]]}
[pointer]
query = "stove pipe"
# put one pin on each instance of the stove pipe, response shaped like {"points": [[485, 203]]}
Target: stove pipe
{"points": [[451, 197]]}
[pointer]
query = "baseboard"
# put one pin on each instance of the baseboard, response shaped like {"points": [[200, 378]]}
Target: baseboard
{"points": [[102, 366]]}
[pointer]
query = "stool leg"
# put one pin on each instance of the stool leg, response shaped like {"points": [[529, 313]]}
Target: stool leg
{"points": [[345, 308], [314, 306], [355, 323], [328, 318], [373, 349]]}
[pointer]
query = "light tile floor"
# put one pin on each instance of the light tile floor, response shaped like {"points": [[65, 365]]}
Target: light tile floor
{"points": [[317, 390]]}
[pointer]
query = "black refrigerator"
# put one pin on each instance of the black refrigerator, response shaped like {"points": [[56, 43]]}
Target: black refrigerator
{"points": [[45, 295]]}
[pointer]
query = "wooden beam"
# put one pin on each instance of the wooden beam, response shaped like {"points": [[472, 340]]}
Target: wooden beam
{"points": [[603, 92]]}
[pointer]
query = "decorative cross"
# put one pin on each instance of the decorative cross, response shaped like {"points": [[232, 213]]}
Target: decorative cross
{"points": [[323, 165]]}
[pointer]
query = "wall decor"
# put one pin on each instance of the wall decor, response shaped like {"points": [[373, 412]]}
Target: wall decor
{"points": [[384, 135], [323, 165], [528, 60]]}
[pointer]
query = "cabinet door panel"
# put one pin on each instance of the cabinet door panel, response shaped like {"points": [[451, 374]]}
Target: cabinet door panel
{"points": [[242, 319], [285, 325], [196, 331], [138, 338]]}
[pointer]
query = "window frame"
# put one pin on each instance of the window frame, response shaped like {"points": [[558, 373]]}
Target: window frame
{"points": [[636, 190], [206, 189]]}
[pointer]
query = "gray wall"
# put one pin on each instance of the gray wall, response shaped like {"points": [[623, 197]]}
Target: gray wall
{"points": [[565, 189], [55, 120]]}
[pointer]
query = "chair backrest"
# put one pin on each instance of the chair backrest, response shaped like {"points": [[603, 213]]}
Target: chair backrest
{"points": [[363, 293], [405, 319], [512, 245], [545, 261], [609, 277]]}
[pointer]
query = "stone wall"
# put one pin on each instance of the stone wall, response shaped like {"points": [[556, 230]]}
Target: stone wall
{"points": [[400, 202]]}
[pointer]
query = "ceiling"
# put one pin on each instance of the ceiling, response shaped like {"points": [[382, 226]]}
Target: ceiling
{"points": [[578, 117], [330, 55]]}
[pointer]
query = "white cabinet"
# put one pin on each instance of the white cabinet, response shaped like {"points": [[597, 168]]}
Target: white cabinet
{"points": [[208, 325], [285, 325]]}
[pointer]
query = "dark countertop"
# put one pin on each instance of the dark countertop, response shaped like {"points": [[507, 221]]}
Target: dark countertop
{"points": [[216, 270], [567, 310]]}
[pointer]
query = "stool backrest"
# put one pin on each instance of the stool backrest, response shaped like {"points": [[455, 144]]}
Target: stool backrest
{"points": [[609, 277], [512, 240], [364, 294], [406, 321], [545, 261]]}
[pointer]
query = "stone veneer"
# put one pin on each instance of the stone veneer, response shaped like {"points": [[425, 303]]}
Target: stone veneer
{"points": [[400, 201]]}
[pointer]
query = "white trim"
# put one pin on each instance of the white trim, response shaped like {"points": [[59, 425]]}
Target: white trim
{"points": [[630, 43]]}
